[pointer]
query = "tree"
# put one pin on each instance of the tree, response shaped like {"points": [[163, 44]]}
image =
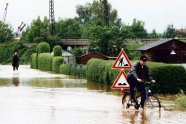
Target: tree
{"points": [[6, 32], [104, 40], [153, 34], [170, 32], [138, 29], [78, 53], [180, 33], [69, 28], [95, 12], [37, 32]]}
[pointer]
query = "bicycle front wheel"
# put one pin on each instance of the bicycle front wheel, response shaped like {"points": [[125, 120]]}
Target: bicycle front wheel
{"points": [[152, 102], [125, 101]]}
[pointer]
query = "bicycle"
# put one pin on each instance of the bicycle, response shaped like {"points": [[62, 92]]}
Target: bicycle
{"points": [[151, 101]]}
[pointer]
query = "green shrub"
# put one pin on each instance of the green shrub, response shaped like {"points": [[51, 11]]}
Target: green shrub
{"points": [[64, 69], [83, 71], [57, 50], [100, 71], [43, 48], [34, 61], [45, 61], [26, 57], [7, 51], [56, 62], [73, 69], [169, 78]]}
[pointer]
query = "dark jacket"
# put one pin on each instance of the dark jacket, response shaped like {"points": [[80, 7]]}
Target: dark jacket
{"points": [[138, 71], [15, 61]]}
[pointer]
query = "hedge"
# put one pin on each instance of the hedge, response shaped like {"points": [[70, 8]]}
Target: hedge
{"points": [[73, 69], [7, 51], [56, 62], [64, 69], [57, 50], [26, 57], [43, 47], [34, 63], [170, 79], [45, 61]]}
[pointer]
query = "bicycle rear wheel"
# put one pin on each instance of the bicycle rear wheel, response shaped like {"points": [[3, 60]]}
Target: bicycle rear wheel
{"points": [[125, 101], [152, 102]]}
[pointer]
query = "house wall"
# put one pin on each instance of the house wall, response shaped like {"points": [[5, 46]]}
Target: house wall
{"points": [[162, 53]]}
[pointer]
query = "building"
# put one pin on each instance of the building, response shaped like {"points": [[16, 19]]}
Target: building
{"points": [[68, 57], [69, 44], [85, 58], [165, 50]]}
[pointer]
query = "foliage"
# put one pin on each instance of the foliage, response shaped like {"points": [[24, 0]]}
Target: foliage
{"points": [[43, 47], [57, 51], [68, 29], [73, 69], [78, 53], [170, 79], [7, 51], [136, 30], [181, 100], [104, 40], [6, 32], [131, 52], [180, 33], [64, 69], [99, 71], [45, 61], [38, 31], [94, 12], [34, 61], [154, 34], [56, 62], [170, 32], [26, 57]]}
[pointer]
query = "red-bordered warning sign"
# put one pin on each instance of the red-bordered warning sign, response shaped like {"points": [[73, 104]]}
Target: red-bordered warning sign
{"points": [[121, 82], [122, 62]]}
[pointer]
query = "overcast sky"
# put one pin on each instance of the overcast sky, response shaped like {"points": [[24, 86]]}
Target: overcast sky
{"points": [[156, 14]]}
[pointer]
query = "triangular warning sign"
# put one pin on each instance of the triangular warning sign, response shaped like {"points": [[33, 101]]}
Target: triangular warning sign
{"points": [[122, 62], [121, 82]]}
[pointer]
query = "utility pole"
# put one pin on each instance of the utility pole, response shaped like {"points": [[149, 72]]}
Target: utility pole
{"points": [[51, 17], [4, 16], [106, 13]]}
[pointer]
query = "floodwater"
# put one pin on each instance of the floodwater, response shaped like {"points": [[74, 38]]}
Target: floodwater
{"points": [[31, 96]]}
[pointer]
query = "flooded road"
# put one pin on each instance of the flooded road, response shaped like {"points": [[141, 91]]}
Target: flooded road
{"points": [[31, 96]]}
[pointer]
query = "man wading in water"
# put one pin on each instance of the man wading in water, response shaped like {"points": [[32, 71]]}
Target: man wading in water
{"points": [[15, 61]]}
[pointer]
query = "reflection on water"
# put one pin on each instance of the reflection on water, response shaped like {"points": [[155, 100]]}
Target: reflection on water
{"points": [[60, 99], [142, 116], [15, 81], [55, 82]]}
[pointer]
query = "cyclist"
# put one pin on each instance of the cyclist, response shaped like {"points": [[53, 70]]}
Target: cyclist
{"points": [[135, 77]]}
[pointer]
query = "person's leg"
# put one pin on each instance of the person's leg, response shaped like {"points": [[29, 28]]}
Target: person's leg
{"points": [[13, 68], [17, 68], [141, 88], [132, 83]]}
